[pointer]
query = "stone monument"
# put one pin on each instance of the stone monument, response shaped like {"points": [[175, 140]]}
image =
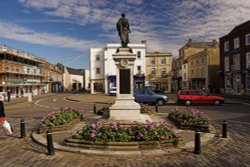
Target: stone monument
{"points": [[125, 107]]}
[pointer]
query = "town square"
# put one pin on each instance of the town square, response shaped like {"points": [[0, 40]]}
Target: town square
{"points": [[124, 83]]}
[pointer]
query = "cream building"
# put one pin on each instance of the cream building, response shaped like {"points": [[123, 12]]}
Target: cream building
{"points": [[158, 68], [203, 69]]}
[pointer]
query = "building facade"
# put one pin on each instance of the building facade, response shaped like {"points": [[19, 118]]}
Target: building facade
{"points": [[203, 70], [75, 79], [56, 78], [235, 60], [158, 71], [21, 73], [103, 68], [189, 49]]}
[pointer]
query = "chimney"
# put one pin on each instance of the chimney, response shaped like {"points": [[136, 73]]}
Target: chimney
{"points": [[189, 44], [144, 42]]}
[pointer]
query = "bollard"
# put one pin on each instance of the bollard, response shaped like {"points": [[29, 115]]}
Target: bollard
{"points": [[50, 146], [197, 142], [22, 129], [224, 129], [94, 109], [156, 107]]}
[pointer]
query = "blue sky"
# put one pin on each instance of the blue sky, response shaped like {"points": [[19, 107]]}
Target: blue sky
{"points": [[64, 30]]}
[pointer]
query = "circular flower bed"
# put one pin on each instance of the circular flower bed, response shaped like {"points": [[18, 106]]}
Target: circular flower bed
{"points": [[115, 132], [189, 117], [56, 118]]}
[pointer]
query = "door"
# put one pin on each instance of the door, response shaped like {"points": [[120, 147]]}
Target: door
{"points": [[237, 85]]}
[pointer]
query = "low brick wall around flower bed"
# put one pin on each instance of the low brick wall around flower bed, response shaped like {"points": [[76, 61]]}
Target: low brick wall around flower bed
{"points": [[43, 129], [202, 128], [124, 146]]}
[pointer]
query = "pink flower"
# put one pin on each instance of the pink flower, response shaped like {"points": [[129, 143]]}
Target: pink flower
{"points": [[92, 135], [94, 126]]}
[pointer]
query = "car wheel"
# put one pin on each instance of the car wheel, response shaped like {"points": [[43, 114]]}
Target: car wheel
{"points": [[188, 102], [160, 102], [216, 102]]}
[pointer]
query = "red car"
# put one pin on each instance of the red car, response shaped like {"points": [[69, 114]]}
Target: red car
{"points": [[189, 97]]}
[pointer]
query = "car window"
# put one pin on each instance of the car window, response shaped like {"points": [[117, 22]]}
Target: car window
{"points": [[203, 93]]}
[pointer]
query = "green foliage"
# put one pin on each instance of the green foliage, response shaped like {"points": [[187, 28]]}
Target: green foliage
{"points": [[61, 117], [115, 132], [189, 117]]}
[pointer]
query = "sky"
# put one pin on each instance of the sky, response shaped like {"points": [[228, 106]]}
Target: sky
{"points": [[63, 31]]}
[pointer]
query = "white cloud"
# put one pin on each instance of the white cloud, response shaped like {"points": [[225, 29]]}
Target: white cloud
{"points": [[166, 25], [15, 32]]}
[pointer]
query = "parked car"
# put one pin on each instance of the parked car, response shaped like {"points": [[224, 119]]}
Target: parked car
{"points": [[189, 97], [112, 91], [146, 95]]}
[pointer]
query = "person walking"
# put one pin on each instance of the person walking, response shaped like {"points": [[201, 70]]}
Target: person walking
{"points": [[8, 95], [2, 111]]}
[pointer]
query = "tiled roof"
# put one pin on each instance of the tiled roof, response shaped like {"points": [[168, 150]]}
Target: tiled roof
{"points": [[75, 71]]}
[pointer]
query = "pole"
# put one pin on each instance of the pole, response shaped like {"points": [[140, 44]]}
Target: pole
{"points": [[22, 129], [224, 129], [50, 146], [94, 109], [156, 107], [197, 142]]}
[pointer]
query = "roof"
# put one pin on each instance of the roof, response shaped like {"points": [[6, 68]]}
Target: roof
{"points": [[241, 28], [75, 71]]}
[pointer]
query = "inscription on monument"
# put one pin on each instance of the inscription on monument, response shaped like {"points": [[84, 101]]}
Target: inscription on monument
{"points": [[125, 81]]}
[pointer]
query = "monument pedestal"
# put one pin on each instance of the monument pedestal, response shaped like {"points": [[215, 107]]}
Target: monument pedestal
{"points": [[125, 108]]}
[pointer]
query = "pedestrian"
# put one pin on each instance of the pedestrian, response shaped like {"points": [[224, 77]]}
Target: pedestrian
{"points": [[8, 95], [2, 112]]}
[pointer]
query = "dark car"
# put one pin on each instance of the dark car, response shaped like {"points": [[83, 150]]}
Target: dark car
{"points": [[148, 96], [189, 97]]}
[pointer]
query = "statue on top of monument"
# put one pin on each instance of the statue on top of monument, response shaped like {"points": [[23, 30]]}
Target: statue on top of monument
{"points": [[123, 30]]}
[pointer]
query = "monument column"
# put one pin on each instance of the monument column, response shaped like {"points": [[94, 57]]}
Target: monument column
{"points": [[125, 108]]}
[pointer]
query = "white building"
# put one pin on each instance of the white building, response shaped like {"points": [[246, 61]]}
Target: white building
{"points": [[103, 69], [75, 79]]}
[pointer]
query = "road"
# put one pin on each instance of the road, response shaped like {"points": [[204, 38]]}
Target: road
{"points": [[24, 152]]}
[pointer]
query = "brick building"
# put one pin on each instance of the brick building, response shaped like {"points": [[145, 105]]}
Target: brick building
{"points": [[235, 60]]}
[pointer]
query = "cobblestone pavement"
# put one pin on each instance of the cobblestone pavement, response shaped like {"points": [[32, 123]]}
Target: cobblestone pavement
{"points": [[24, 152]]}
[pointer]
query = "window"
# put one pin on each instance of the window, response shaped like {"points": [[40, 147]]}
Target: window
{"points": [[163, 61], [203, 61], [28, 70], [236, 43], [226, 46], [98, 71], [184, 66], [163, 72], [138, 68], [97, 58], [34, 71], [197, 62], [248, 60], [138, 54], [185, 76], [153, 71], [7, 68], [248, 80], [17, 70], [236, 62], [248, 39], [192, 72], [153, 61], [226, 64], [227, 82]]}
